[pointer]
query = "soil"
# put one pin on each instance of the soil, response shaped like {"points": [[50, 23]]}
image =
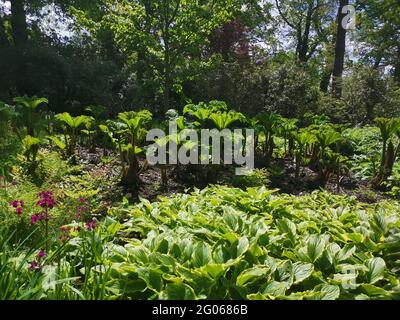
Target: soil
{"points": [[281, 177]]}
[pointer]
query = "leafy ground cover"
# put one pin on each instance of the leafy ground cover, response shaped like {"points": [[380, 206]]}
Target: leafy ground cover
{"points": [[84, 215], [221, 243]]}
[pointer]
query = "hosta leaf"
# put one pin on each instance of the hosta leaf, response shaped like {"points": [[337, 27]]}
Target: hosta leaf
{"points": [[132, 286], [242, 246], [287, 227], [152, 277], [201, 255], [251, 275], [214, 270], [175, 291], [257, 296], [302, 271], [346, 252], [376, 268], [221, 254], [276, 288], [314, 248], [332, 292], [285, 271], [372, 290]]}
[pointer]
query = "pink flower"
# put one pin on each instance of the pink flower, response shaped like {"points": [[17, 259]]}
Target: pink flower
{"points": [[41, 254], [34, 219], [18, 205], [46, 200], [91, 225], [34, 265], [83, 200], [14, 204]]}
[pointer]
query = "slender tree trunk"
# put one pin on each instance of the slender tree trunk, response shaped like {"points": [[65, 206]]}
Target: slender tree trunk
{"points": [[142, 64], [397, 66], [304, 44], [329, 61], [167, 57], [326, 79], [18, 22], [20, 37], [340, 50]]}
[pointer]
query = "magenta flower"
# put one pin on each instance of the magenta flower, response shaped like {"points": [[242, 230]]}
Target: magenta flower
{"points": [[39, 217], [91, 225], [46, 200], [18, 206], [41, 254], [34, 219], [34, 265]]}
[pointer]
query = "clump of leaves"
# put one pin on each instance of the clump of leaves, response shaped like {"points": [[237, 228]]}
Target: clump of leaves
{"points": [[227, 243]]}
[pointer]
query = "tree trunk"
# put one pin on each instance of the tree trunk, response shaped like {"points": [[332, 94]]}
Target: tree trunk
{"points": [[397, 66], [18, 22], [325, 79], [304, 40], [340, 50], [167, 57]]}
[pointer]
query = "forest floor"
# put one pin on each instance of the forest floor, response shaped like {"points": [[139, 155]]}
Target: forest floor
{"points": [[282, 177]]}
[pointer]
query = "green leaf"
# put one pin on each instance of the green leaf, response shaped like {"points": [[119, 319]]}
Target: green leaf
{"points": [[152, 277], [251, 275], [201, 255], [332, 292], [302, 271], [376, 268], [372, 290], [314, 248], [276, 288], [243, 246], [178, 291]]}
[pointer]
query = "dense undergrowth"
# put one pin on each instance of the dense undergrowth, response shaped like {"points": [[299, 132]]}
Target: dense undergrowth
{"points": [[220, 243], [83, 216]]}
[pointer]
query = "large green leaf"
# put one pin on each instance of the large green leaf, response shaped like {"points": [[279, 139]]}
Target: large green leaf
{"points": [[253, 274], [201, 254], [376, 268], [302, 271], [181, 291]]}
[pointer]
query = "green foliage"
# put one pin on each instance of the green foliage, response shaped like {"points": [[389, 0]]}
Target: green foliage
{"points": [[9, 142], [28, 115], [71, 128], [255, 178], [390, 134], [231, 243], [126, 134]]}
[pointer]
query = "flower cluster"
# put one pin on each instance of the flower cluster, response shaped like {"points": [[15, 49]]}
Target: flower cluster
{"points": [[46, 200], [91, 225], [18, 205], [35, 218], [36, 264], [66, 232], [82, 209]]}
